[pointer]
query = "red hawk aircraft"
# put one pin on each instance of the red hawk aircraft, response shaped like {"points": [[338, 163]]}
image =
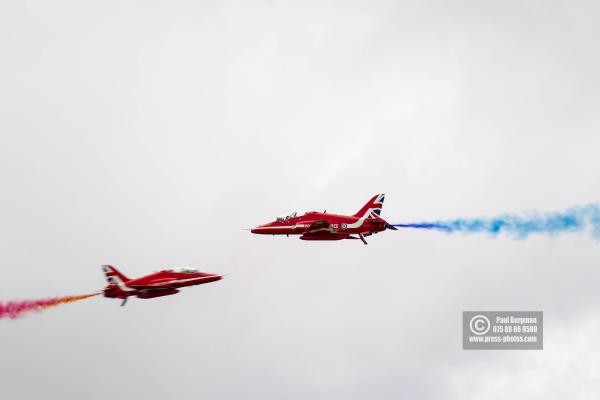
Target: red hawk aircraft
{"points": [[161, 283], [314, 225]]}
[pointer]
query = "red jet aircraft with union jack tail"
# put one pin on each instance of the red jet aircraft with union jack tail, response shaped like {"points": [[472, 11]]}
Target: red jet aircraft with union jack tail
{"points": [[161, 283], [314, 225]]}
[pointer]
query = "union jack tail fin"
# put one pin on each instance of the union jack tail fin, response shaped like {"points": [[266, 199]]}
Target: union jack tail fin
{"points": [[113, 275], [373, 208]]}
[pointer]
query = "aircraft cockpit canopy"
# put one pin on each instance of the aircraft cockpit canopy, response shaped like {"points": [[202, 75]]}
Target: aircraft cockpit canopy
{"points": [[286, 217], [184, 270]]}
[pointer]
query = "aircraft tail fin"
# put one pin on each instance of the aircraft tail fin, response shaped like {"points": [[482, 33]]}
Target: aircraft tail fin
{"points": [[113, 275], [373, 208]]}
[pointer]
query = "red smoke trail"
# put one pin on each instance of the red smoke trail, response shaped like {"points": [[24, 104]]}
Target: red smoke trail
{"points": [[16, 308]]}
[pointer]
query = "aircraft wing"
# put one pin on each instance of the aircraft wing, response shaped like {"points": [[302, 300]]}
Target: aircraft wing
{"points": [[155, 285]]}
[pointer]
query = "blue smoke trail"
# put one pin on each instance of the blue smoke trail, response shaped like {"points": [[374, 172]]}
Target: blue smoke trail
{"points": [[521, 226]]}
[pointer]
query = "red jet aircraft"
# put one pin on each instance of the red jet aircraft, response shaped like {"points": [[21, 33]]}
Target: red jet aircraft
{"points": [[161, 283], [314, 225]]}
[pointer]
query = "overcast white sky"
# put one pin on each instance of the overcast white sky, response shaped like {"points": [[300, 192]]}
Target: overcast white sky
{"points": [[148, 134]]}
